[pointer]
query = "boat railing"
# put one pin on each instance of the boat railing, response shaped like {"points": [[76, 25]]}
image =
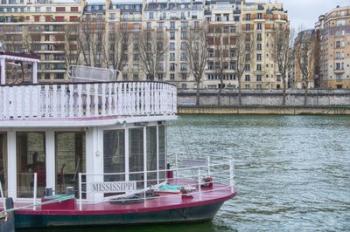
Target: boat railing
{"points": [[217, 173], [87, 100]]}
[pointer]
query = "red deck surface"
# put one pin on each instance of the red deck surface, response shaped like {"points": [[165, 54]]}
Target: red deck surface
{"points": [[166, 201]]}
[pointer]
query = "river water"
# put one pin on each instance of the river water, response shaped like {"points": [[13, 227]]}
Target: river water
{"points": [[292, 172]]}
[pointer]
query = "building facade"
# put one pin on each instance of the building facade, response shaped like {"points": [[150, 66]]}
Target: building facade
{"points": [[41, 27], [111, 34], [334, 32]]}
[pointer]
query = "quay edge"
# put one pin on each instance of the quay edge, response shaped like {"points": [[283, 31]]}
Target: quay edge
{"points": [[263, 110]]}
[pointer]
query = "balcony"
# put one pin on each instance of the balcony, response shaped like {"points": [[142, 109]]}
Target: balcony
{"points": [[89, 103], [339, 71]]}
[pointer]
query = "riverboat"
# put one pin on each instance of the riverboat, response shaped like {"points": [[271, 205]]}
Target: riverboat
{"points": [[93, 151]]}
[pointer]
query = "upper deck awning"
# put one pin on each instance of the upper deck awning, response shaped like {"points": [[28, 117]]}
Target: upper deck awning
{"points": [[23, 57]]}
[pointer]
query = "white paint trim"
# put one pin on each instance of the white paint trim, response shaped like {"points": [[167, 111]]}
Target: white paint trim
{"points": [[145, 157], [50, 159], [3, 71], [11, 164], [35, 72], [157, 154], [19, 58], [127, 154], [74, 123]]}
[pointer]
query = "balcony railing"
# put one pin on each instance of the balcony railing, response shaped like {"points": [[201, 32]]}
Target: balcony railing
{"points": [[87, 100]]}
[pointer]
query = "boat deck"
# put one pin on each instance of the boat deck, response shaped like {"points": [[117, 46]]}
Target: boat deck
{"points": [[165, 201]]}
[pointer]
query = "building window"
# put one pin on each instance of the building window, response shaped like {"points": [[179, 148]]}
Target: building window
{"points": [[172, 76], [258, 67], [247, 67], [172, 46], [259, 47], [60, 9], [70, 158], [258, 78], [172, 57], [172, 25], [30, 159], [259, 26], [258, 57], [259, 37], [247, 77], [247, 17], [74, 9], [247, 27], [260, 16], [172, 35]]}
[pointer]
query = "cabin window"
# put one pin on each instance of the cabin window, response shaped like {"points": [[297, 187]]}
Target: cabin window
{"points": [[136, 155], [152, 155], [70, 159], [30, 160], [3, 162], [162, 151], [114, 154]]}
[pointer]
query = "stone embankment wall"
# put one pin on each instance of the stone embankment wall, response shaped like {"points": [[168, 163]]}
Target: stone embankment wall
{"points": [[333, 102]]}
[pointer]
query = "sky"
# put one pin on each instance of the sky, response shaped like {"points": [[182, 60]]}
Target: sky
{"points": [[306, 12]]}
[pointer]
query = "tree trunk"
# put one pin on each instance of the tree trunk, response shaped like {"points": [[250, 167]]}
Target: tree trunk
{"points": [[239, 92], [284, 91], [22, 71], [306, 93], [197, 94]]}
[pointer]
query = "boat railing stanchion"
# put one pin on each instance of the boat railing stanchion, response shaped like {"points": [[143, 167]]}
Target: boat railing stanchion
{"points": [[3, 197], [80, 191], [176, 166], [35, 190], [208, 161], [199, 183], [232, 183]]}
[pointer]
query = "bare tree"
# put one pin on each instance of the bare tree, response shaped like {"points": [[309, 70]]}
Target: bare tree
{"points": [[283, 37], [220, 47], [197, 54], [152, 47], [242, 56], [91, 40], [118, 40], [72, 48], [304, 51]]}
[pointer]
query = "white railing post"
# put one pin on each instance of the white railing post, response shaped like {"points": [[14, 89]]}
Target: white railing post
{"points": [[35, 190], [232, 183], [3, 197], [199, 183], [208, 161], [176, 165], [80, 191]]}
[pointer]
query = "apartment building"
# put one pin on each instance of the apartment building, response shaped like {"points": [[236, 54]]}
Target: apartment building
{"points": [[109, 34], [40, 26], [305, 59], [262, 20], [223, 18], [176, 19], [334, 33]]}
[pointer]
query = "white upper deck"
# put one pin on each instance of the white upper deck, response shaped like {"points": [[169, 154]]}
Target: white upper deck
{"points": [[84, 104]]}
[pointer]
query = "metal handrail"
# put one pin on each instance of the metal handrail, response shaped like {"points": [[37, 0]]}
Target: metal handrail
{"points": [[197, 179]]}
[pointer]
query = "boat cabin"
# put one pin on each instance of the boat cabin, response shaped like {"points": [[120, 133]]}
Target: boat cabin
{"points": [[95, 139]]}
